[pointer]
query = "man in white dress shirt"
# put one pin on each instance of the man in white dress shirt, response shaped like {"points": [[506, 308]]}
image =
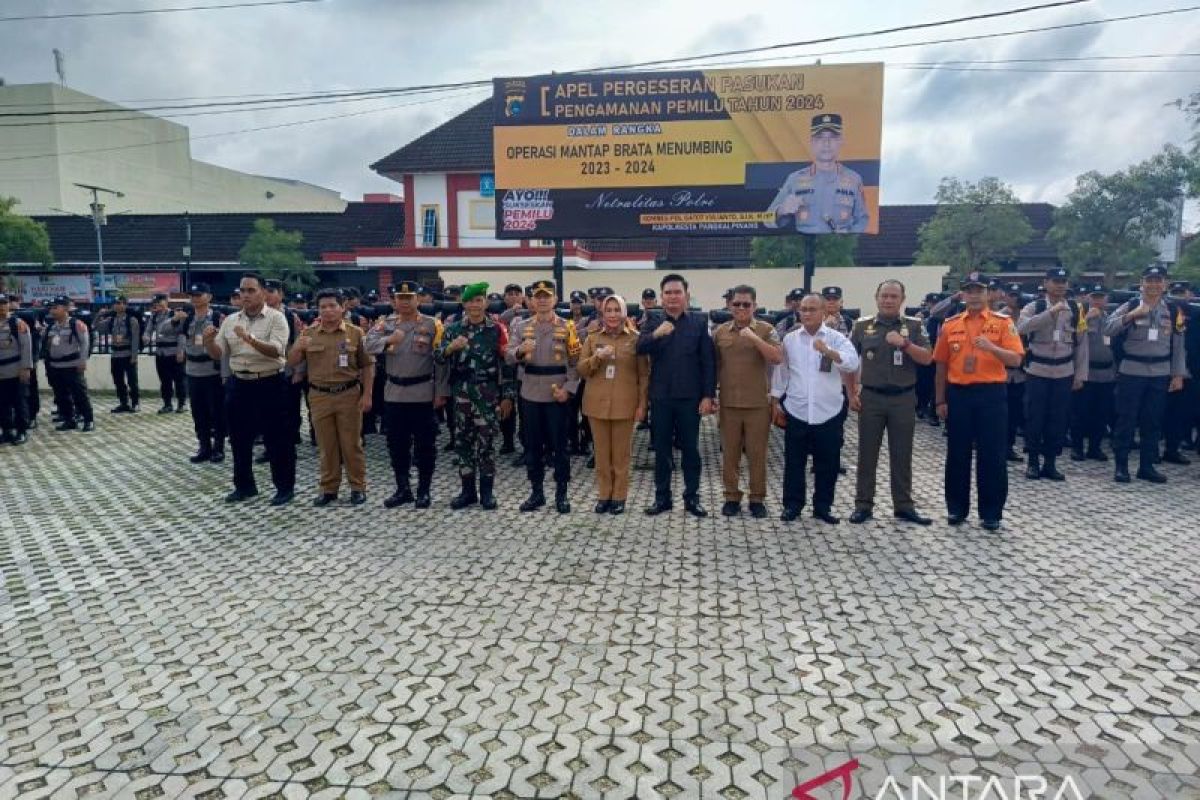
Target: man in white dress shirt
{"points": [[806, 399]]}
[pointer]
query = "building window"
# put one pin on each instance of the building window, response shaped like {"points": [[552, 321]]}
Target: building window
{"points": [[547, 243], [429, 226], [483, 215]]}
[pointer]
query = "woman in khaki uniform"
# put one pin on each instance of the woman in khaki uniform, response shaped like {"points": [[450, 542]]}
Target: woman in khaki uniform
{"points": [[618, 380]]}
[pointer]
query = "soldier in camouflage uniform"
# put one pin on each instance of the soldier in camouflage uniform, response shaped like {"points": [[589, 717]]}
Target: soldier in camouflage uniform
{"points": [[472, 349]]}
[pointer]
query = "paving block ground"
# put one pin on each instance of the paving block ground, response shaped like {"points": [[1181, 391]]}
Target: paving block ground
{"points": [[160, 643]]}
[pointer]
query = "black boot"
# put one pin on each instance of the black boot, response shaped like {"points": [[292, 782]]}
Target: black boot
{"points": [[1077, 453], [402, 495], [561, 503], [203, 454], [218, 452], [467, 497], [1121, 470], [536, 499], [1050, 472], [487, 495], [423, 498], [1033, 471]]}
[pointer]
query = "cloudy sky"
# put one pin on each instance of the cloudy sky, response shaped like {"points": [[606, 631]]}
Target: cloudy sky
{"points": [[1034, 129]]}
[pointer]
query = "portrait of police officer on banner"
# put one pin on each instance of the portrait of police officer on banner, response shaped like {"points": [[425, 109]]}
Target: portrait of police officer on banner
{"points": [[826, 196]]}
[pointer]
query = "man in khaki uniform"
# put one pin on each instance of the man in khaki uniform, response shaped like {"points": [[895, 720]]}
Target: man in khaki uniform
{"points": [[340, 378], [746, 347], [891, 347]]}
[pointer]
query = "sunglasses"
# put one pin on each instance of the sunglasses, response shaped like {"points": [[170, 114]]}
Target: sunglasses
{"points": [[741, 304]]}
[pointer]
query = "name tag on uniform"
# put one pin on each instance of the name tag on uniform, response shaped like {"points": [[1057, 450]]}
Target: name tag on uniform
{"points": [[969, 365], [610, 372], [1152, 334], [1058, 335], [897, 358], [199, 340], [1107, 341], [54, 341], [343, 359]]}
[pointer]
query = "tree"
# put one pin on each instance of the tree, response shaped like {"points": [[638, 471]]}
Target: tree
{"points": [[1110, 222], [833, 250], [276, 254], [22, 239], [1188, 266], [977, 225]]}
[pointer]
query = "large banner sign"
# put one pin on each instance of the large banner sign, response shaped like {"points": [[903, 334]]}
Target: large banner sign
{"points": [[715, 152], [138, 286], [44, 288]]}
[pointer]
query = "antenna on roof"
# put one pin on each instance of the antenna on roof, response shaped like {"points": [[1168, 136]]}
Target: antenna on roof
{"points": [[60, 66]]}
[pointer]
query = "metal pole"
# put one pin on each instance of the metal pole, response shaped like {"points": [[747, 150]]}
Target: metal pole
{"points": [[558, 266], [99, 251], [810, 260], [187, 252]]}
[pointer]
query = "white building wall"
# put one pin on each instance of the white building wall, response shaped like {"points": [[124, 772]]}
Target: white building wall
{"points": [[430, 190], [474, 208]]}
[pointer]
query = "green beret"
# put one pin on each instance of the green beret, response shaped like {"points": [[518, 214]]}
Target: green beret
{"points": [[472, 290]]}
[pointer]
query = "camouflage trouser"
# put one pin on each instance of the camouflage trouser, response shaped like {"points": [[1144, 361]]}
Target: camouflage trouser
{"points": [[476, 412]]}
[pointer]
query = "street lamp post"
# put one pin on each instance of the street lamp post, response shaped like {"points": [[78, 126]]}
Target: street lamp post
{"points": [[98, 220]]}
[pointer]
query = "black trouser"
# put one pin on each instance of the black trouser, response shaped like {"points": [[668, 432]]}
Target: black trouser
{"points": [[824, 442], [974, 417], [1047, 406], [676, 421], [546, 431], [377, 407], [254, 407], [579, 433], [33, 393], [14, 408], [208, 411], [1181, 415], [1139, 404], [1092, 407], [411, 432], [296, 397], [925, 388], [1015, 399], [124, 369], [70, 393], [171, 383], [508, 429]]}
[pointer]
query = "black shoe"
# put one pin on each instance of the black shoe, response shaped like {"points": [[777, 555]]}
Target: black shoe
{"points": [[507, 449], [1034, 470], [262, 458], [1097, 455], [659, 507], [423, 499], [237, 496], [935, 422], [826, 517], [1012, 455], [860, 516], [19, 439], [1050, 472], [1175, 458], [731, 508], [178, 409], [218, 456], [1151, 475], [643, 426], [449, 448], [357, 498], [616, 507], [202, 455], [467, 496], [1121, 474], [487, 495], [166, 409], [603, 506], [992, 525], [536, 500], [323, 500], [121, 409], [399, 498], [66, 426], [591, 462], [88, 427], [955, 519], [561, 504], [1077, 454], [912, 516], [789, 513], [758, 510], [694, 508], [282, 498]]}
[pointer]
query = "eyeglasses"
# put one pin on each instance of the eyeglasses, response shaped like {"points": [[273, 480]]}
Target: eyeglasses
{"points": [[741, 304]]}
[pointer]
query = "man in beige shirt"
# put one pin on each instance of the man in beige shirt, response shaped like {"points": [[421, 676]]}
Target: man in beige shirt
{"points": [[746, 348], [255, 341]]}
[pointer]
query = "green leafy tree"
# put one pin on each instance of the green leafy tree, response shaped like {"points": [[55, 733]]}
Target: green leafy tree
{"points": [[977, 225], [277, 254], [22, 239], [833, 250], [1188, 266], [1110, 222]]}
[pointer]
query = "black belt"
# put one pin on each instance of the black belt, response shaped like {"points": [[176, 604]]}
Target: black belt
{"points": [[1147, 359], [1099, 364], [197, 359], [534, 369], [121, 353], [1052, 362], [413, 380], [341, 387], [162, 353], [6, 361], [888, 391], [60, 359]]}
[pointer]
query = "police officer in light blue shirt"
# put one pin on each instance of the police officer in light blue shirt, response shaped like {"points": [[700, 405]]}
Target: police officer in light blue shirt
{"points": [[826, 196]]}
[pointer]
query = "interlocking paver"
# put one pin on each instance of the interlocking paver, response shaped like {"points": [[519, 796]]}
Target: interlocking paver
{"points": [[159, 643]]}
